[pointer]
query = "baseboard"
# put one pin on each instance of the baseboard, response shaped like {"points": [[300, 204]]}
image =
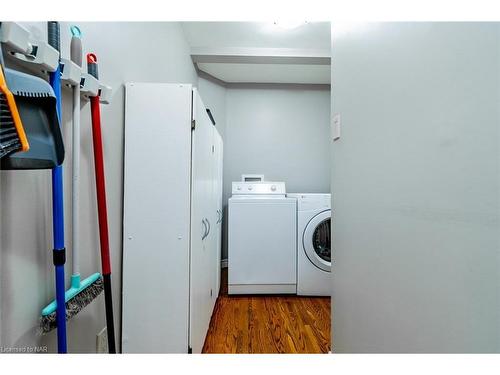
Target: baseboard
{"points": [[223, 263], [262, 288]]}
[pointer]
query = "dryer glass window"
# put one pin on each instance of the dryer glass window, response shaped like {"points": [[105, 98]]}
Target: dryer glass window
{"points": [[321, 240]]}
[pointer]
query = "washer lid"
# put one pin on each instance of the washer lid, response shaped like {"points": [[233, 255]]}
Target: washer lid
{"points": [[316, 240]]}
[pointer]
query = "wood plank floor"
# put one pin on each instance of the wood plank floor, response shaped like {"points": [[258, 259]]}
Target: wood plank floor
{"points": [[268, 324]]}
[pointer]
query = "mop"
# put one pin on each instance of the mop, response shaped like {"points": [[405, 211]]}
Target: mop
{"points": [[101, 204], [82, 292]]}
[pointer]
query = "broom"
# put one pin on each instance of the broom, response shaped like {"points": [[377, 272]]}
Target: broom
{"points": [[59, 251], [82, 292]]}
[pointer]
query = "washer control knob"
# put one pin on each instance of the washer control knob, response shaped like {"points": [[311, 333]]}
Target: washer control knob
{"points": [[273, 187], [239, 188], [250, 187]]}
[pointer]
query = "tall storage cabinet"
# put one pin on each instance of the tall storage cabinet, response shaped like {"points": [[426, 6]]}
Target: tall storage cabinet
{"points": [[219, 152], [171, 219]]}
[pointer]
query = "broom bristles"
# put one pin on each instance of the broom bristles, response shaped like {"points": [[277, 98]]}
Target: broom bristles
{"points": [[73, 306], [9, 140]]}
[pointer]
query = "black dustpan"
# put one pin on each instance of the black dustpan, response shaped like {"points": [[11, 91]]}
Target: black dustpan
{"points": [[36, 104]]}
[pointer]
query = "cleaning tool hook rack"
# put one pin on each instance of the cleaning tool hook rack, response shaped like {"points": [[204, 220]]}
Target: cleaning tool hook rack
{"points": [[70, 73], [16, 38], [105, 93], [39, 57], [35, 55], [90, 86]]}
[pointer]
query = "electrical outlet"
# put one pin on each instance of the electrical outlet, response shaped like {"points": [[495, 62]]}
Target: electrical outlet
{"points": [[102, 341]]}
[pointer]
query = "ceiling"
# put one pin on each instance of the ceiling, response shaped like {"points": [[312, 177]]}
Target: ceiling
{"points": [[315, 35], [260, 52]]}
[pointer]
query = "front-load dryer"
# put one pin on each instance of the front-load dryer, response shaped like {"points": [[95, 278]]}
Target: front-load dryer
{"points": [[313, 244]]}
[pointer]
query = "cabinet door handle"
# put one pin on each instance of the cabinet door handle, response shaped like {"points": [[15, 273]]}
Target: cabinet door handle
{"points": [[208, 222], [204, 230]]}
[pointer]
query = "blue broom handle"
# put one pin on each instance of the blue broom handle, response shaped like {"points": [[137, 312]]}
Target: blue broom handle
{"points": [[57, 176], [58, 206]]}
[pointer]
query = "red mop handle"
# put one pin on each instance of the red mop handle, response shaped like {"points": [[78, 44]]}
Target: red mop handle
{"points": [[99, 175], [101, 205]]}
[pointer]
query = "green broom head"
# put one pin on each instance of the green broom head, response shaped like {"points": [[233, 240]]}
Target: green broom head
{"points": [[77, 297]]}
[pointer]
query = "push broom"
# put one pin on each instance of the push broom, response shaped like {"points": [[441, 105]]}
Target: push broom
{"points": [[59, 252], [81, 292], [101, 204]]}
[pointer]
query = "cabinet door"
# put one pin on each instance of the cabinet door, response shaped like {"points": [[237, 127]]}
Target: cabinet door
{"points": [[219, 209], [213, 212], [156, 218], [202, 225]]}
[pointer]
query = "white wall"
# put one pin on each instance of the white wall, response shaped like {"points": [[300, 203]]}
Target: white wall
{"points": [[416, 181], [281, 132], [26, 272]]}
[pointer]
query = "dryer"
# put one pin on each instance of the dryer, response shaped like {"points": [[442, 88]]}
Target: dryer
{"points": [[313, 244]]}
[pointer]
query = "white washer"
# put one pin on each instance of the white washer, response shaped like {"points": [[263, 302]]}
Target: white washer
{"points": [[262, 239], [313, 244]]}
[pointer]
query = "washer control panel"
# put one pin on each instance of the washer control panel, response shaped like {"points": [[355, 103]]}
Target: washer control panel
{"points": [[256, 188]]}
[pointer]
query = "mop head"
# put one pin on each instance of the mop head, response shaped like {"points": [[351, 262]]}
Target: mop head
{"points": [[73, 306]]}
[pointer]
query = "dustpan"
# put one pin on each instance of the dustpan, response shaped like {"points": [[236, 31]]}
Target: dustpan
{"points": [[36, 104]]}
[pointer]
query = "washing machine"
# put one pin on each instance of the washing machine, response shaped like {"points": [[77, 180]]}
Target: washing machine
{"points": [[313, 244], [262, 235]]}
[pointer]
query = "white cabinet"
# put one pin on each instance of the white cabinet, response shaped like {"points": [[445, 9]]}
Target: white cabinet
{"points": [[203, 225], [171, 238], [218, 186]]}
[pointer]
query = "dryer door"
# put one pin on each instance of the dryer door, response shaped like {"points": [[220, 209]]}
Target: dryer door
{"points": [[317, 240]]}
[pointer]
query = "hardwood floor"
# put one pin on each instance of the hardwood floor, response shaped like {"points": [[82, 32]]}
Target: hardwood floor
{"points": [[268, 324]]}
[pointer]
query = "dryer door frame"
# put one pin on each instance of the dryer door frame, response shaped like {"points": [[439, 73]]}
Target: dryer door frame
{"points": [[307, 240]]}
